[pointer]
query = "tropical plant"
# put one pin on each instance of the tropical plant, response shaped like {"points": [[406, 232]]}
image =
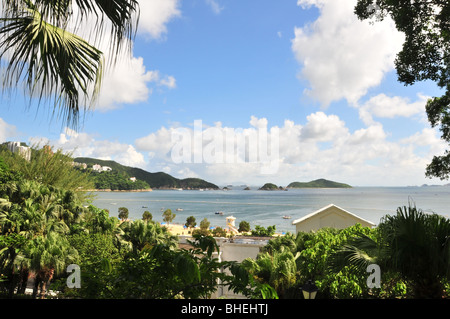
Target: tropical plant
{"points": [[168, 216], [260, 231], [40, 51], [48, 256], [244, 226], [190, 222], [278, 269], [50, 168], [147, 216], [141, 234], [412, 245], [123, 213]]}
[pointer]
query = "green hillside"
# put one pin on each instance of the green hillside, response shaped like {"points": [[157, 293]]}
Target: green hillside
{"points": [[157, 180], [318, 183]]}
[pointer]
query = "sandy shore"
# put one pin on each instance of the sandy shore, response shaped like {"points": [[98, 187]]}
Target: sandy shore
{"points": [[176, 229]]}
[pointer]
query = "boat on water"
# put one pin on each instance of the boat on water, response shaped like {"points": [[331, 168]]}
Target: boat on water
{"points": [[179, 209], [286, 217], [219, 213]]}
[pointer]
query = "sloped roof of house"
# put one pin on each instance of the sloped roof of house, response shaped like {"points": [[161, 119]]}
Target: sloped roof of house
{"points": [[324, 209]]}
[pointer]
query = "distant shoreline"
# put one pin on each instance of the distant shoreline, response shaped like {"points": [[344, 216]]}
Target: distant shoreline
{"points": [[120, 190]]}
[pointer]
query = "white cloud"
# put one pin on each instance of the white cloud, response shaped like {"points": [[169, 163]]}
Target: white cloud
{"points": [[383, 106], [86, 145], [215, 6], [155, 15], [321, 147], [362, 157], [127, 80], [342, 57], [7, 131], [322, 128]]}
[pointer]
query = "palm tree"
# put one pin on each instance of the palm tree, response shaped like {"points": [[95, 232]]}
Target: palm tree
{"points": [[277, 268], [142, 234], [48, 256], [414, 244], [38, 49]]}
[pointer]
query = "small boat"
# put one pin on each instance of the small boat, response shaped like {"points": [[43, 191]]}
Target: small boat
{"points": [[219, 213], [286, 217], [179, 209]]}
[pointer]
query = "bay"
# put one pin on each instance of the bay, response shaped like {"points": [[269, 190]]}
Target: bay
{"points": [[267, 208]]}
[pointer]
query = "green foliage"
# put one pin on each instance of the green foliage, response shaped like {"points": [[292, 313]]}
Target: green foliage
{"points": [[260, 231], [155, 180], [123, 213], [219, 232], [244, 226], [203, 230], [277, 269], [269, 186], [49, 167], [115, 180], [424, 57], [50, 62], [44, 228], [204, 224], [318, 183], [147, 216], [168, 216], [160, 272], [190, 222]]}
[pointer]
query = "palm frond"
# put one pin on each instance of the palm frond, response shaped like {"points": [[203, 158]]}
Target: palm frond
{"points": [[54, 64], [359, 253], [51, 61]]}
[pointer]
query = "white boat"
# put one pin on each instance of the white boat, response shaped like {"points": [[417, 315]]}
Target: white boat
{"points": [[286, 217], [179, 209]]}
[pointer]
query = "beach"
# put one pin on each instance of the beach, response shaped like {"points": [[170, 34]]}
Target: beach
{"points": [[177, 229]]}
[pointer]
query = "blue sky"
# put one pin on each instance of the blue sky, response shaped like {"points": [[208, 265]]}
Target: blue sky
{"points": [[308, 68]]}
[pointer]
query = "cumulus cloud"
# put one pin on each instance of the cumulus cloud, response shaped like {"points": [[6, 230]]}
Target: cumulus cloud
{"points": [[365, 156], [322, 146], [87, 145], [342, 57], [383, 106], [155, 15], [127, 80]]}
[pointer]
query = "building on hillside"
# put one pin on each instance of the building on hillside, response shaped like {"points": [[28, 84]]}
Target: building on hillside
{"points": [[330, 216], [16, 147], [99, 168], [82, 165]]}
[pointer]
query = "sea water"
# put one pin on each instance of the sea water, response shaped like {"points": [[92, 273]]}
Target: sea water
{"points": [[268, 208]]}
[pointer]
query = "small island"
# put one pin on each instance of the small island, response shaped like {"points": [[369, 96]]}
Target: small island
{"points": [[270, 187], [318, 183]]}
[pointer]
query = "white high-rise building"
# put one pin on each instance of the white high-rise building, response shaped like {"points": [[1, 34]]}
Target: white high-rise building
{"points": [[23, 151]]}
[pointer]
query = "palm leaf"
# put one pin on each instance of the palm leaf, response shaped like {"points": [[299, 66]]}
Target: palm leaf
{"points": [[359, 253], [53, 63]]}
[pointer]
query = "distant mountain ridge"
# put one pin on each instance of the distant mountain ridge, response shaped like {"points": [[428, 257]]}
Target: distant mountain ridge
{"points": [[318, 183], [157, 180]]}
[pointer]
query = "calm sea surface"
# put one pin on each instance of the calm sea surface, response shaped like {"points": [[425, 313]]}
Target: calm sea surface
{"points": [[267, 208]]}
